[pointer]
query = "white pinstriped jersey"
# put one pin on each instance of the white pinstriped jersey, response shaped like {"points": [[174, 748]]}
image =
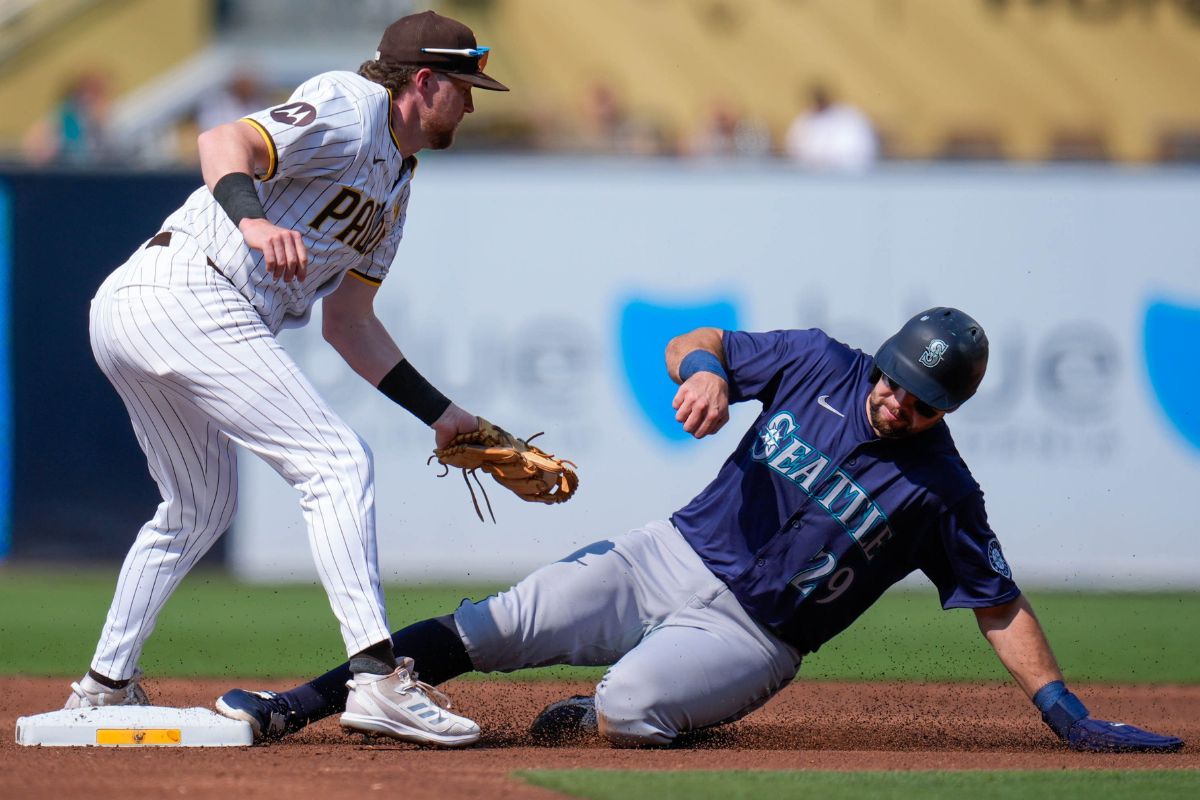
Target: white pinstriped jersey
{"points": [[336, 175], [194, 357]]}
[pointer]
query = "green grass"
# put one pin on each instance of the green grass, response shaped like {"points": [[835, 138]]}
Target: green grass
{"points": [[211, 626], [1119, 637], [978, 785], [214, 626]]}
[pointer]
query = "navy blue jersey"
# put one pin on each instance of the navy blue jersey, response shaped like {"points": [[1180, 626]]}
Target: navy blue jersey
{"points": [[813, 516]]}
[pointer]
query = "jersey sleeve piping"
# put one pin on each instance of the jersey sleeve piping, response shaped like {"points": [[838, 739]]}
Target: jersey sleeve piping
{"points": [[273, 162], [367, 279], [391, 132]]}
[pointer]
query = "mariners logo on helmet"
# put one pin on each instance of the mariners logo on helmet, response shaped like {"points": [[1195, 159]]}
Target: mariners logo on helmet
{"points": [[996, 559], [939, 357], [934, 352]]}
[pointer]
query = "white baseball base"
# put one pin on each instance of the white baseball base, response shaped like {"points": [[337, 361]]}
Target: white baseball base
{"points": [[133, 726]]}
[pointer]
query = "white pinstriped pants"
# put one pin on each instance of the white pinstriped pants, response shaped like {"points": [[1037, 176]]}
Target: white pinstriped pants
{"points": [[198, 371]]}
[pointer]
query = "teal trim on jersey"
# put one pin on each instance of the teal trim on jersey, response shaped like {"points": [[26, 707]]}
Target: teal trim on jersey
{"points": [[6, 441]]}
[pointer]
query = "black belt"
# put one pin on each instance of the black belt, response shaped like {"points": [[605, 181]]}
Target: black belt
{"points": [[163, 239]]}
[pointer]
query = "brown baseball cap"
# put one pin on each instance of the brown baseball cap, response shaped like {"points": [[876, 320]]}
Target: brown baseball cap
{"points": [[439, 43]]}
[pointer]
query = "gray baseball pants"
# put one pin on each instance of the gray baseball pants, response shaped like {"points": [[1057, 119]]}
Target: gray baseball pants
{"points": [[684, 654]]}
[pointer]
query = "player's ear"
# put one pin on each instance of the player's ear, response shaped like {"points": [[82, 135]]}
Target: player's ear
{"points": [[426, 81]]}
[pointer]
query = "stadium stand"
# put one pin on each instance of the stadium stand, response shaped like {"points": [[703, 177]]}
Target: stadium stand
{"points": [[973, 79]]}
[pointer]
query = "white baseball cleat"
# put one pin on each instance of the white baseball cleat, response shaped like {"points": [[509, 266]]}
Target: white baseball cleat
{"points": [[90, 693], [401, 707]]}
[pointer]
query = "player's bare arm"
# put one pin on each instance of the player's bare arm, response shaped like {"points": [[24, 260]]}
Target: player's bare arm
{"points": [[236, 149], [696, 361], [1014, 633], [349, 324]]}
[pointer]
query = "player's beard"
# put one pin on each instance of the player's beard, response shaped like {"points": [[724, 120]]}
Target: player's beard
{"points": [[438, 132], [885, 425], [440, 138]]}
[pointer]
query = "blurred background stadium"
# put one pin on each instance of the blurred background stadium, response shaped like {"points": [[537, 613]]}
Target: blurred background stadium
{"points": [[659, 164], [1026, 80]]}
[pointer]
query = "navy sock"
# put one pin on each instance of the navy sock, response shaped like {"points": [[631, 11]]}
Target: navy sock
{"points": [[378, 659], [433, 644]]}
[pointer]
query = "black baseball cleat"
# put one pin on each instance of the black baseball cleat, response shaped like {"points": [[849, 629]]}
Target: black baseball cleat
{"points": [[268, 713], [565, 722]]}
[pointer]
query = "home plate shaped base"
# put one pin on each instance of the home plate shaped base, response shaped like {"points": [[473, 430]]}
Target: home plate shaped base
{"points": [[133, 726]]}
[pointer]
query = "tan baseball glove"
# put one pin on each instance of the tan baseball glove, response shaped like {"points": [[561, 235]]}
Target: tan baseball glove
{"points": [[528, 472]]}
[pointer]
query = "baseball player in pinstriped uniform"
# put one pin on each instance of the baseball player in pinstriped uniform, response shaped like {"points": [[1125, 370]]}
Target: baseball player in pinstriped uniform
{"points": [[185, 330], [848, 481]]}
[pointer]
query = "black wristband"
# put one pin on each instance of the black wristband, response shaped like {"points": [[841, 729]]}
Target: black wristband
{"points": [[409, 388], [235, 193]]}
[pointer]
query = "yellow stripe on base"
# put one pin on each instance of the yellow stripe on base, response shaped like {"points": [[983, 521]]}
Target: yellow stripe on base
{"points": [[138, 736], [274, 160]]}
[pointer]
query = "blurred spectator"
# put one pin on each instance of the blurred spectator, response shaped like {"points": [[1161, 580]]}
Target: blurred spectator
{"points": [[831, 136], [1078, 144], [727, 133], [242, 95], [1180, 145], [972, 143], [76, 131], [610, 128]]}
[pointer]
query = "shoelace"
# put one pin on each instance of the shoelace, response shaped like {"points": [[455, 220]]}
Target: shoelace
{"points": [[439, 699]]}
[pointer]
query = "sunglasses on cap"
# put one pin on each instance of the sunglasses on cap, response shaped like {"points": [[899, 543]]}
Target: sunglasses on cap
{"points": [[480, 53], [921, 407]]}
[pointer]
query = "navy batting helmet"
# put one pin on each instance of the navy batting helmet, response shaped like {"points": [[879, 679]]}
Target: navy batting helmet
{"points": [[939, 356]]}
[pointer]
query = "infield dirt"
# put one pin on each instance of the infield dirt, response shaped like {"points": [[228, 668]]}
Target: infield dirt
{"points": [[811, 725]]}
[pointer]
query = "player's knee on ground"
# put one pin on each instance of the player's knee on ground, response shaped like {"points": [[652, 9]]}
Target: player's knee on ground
{"points": [[627, 718]]}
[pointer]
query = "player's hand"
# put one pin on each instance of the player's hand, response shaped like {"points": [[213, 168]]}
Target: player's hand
{"points": [[1097, 735], [282, 248], [451, 423], [702, 404]]}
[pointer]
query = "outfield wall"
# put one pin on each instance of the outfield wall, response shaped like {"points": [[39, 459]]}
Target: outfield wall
{"points": [[73, 482], [540, 293]]}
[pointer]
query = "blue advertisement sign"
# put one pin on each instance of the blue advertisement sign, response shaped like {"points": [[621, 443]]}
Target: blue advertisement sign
{"points": [[1169, 338], [645, 328]]}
